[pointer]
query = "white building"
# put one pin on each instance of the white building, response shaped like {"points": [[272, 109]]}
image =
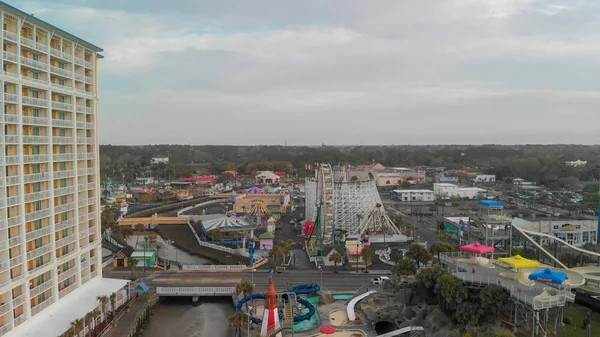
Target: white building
{"points": [[485, 178], [576, 163], [267, 177], [50, 240], [159, 160], [413, 195], [447, 191], [575, 232]]}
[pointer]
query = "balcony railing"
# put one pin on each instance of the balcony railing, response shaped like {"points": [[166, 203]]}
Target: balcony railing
{"points": [[88, 64], [27, 42], [81, 155], [35, 158], [83, 233], [64, 208], [65, 241], [85, 263], [78, 60], [12, 180], [67, 273], [11, 201], [80, 125], [81, 172], [91, 186], [63, 156], [17, 260], [3, 245], [8, 56], [61, 86], [4, 265], [41, 288], [64, 174], [91, 170], [80, 108], [35, 310], [62, 140], [17, 301], [89, 125], [11, 118], [79, 77], [35, 177], [91, 140], [66, 290], [10, 36], [35, 120], [35, 81], [37, 196], [15, 220], [62, 123], [38, 233], [37, 215], [4, 308], [82, 218], [60, 71], [82, 203], [62, 106], [82, 187], [64, 190], [34, 64], [64, 224], [58, 53], [12, 139], [87, 110], [11, 98], [39, 251], [91, 156], [89, 80], [35, 139], [35, 101], [41, 46], [81, 140]]}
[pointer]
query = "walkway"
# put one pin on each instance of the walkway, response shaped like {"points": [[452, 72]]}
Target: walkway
{"points": [[122, 324]]}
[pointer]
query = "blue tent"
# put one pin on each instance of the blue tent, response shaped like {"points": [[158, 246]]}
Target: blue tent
{"points": [[141, 288], [490, 203], [548, 276]]}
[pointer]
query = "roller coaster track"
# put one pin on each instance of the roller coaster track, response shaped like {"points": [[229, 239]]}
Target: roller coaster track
{"points": [[526, 233]]}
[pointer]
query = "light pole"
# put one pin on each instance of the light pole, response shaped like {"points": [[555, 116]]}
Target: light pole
{"points": [[321, 272], [145, 247], [253, 270]]}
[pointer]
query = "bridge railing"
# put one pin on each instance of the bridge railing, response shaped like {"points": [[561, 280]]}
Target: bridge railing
{"points": [[213, 267], [217, 247], [195, 291]]}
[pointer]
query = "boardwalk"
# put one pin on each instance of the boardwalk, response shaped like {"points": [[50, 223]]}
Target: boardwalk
{"points": [[123, 323]]}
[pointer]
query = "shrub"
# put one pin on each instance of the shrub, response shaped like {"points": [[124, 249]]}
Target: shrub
{"points": [[567, 320]]}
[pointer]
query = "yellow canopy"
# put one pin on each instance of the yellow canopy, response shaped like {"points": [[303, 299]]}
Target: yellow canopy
{"points": [[518, 262], [258, 209], [271, 220]]}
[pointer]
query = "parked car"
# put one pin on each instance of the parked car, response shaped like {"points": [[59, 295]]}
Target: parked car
{"points": [[379, 280]]}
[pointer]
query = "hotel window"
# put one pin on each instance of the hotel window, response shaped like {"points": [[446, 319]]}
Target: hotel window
{"points": [[63, 216], [41, 298], [63, 182], [61, 99], [39, 261], [63, 199], [65, 250], [62, 166], [36, 168], [40, 279], [61, 115], [35, 112], [35, 131], [61, 81], [62, 132], [62, 149], [35, 93], [65, 233], [35, 75], [35, 57], [37, 206], [38, 243], [37, 187], [37, 224], [61, 65], [35, 149]]}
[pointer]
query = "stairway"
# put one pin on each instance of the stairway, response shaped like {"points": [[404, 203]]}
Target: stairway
{"points": [[288, 312], [274, 332]]}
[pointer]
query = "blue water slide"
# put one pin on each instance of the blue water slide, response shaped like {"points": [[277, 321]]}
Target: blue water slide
{"points": [[303, 289]]}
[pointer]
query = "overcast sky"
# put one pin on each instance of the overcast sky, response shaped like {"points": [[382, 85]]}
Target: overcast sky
{"points": [[341, 72]]}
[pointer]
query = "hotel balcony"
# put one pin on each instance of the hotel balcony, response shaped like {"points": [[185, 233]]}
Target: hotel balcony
{"points": [[36, 177], [64, 190], [35, 158], [81, 155], [63, 156], [64, 208], [8, 56], [11, 36], [40, 288], [67, 290], [15, 220], [61, 72], [35, 310], [81, 140], [64, 174], [64, 224], [37, 215], [42, 121], [38, 233], [35, 196], [35, 101], [58, 53], [89, 80], [65, 241], [34, 64], [12, 139], [11, 118], [10, 160], [80, 125], [32, 254], [12, 201], [27, 42], [67, 273], [35, 139], [62, 106], [80, 108], [62, 123], [17, 260]]}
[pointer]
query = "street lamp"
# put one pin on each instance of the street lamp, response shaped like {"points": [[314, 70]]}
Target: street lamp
{"points": [[145, 247], [253, 270], [321, 272]]}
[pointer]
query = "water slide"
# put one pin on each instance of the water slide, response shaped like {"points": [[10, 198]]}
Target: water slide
{"points": [[353, 302], [576, 276], [303, 289], [521, 276], [402, 331]]}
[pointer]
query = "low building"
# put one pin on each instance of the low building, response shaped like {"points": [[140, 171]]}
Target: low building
{"points": [[266, 240], [143, 258], [159, 160], [275, 203], [413, 195], [485, 178], [448, 179], [396, 175], [267, 177], [576, 163], [121, 258], [447, 191], [574, 232]]}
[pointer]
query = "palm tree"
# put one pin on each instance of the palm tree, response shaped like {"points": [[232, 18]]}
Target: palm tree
{"points": [[103, 300], [237, 321], [275, 253], [441, 247], [113, 303], [95, 315], [244, 288], [89, 318], [366, 254]]}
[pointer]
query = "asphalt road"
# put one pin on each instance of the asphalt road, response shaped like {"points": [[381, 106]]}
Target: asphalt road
{"points": [[339, 282]]}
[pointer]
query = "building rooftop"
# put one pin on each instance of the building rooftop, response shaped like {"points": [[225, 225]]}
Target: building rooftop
{"points": [[445, 185], [56, 319], [20, 14], [412, 191]]}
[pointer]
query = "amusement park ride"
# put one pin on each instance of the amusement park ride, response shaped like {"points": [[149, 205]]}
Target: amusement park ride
{"points": [[340, 205]]}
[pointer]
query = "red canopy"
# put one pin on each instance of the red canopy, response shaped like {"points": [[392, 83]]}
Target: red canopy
{"points": [[328, 330], [477, 248], [309, 228]]}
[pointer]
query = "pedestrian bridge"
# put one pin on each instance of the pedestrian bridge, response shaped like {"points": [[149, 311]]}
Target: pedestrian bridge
{"points": [[154, 220], [195, 291]]}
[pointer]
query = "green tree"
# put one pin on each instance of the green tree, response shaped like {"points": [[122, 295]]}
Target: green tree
{"points": [[336, 258], [494, 298], [238, 321], [418, 253], [405, 267], [441, 247], [138, 229], [396, 255], [245, 288], [405, 184]]}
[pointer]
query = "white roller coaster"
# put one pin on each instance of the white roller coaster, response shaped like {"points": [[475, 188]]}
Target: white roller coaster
{"points": [[351, 205]]}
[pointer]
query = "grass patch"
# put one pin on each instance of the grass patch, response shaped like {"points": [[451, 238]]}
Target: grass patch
{"points": [[575, 329]]}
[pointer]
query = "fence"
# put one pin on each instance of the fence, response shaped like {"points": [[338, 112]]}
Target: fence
{"points": [[217, 247], [195, 291], [214, 267]]}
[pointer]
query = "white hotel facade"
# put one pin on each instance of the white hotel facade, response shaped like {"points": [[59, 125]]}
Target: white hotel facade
{"points": [[50, 242]]}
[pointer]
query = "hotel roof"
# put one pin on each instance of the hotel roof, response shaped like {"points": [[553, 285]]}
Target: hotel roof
{"points": [[19, 13]]}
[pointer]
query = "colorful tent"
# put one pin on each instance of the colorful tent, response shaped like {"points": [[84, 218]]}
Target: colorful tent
{"points": [[258, 209], [309, 228], [549, 276], [254, 190], [477, 248], [328, 330], [519, 262], [224, 223]]}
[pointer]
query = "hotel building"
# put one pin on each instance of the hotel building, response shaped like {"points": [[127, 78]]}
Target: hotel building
{"points": [[50, 242]]}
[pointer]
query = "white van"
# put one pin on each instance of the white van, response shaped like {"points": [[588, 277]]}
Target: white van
{"points": [[379, 280]]}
